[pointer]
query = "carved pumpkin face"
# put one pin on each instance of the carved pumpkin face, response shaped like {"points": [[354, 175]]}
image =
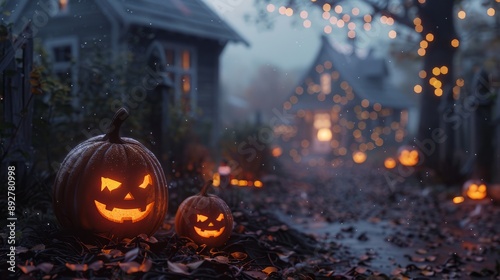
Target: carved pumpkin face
{"points": [[408, 156], [205, 219], [475, 189], [111, 186], [208, 227], [135, 211]]}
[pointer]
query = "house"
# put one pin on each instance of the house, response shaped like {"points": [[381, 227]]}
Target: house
{"points": [[177, 42], [343, 105]]}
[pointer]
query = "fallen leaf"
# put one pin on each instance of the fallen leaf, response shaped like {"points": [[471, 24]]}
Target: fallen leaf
{"points": [[427, 272], [146, 265], [112, 253], [129, 267], [145, 246], [221, 259], [96, 265], [239, 255], [430, 258], [45, 267], [152, 239], [178, 268], [398, 271], [77, 266], [273, 229], [421, 251], [285, 255], [195, 265], [131, 255], [38, 247], [417, 259], [132, 267], [21, 249], [270, 269], [26, 269], [360, 269]]}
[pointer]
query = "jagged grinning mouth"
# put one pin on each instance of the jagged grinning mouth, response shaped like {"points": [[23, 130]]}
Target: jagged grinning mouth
{"points": [[209, 233], [120, 215]]}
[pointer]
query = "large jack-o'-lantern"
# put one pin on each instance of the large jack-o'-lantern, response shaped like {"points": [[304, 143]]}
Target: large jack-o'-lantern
{"points": [[474, 189], [111, 185], [408, 156], [204, 218]]}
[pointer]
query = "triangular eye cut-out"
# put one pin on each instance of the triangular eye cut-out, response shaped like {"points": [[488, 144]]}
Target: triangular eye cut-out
{"points": [[201, 218], [147, 181], [110, 184], [129, 197]]}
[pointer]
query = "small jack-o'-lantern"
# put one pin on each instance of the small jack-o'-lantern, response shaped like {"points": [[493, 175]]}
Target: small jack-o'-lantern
{"points": [[408, 156], [389, 163], [205, 219], [111, 185], [474, 189], [359, 157]]}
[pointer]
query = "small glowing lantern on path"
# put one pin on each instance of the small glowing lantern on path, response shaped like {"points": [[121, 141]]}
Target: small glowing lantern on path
{"points": [[204, 218], [389, 163], [408, 156], [474, 189], [359, 157], [458, 199]]}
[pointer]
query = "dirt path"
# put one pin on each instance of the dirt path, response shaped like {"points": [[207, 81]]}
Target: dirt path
{"points": [[415, 231]]}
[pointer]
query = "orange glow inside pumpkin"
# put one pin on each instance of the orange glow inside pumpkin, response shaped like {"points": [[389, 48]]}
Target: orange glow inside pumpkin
{"points": [[210, 231], [476, 191], [120, 215], [390, 163], [408, 157]]}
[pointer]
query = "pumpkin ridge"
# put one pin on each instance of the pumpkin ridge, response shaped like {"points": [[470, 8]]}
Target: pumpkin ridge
{"points": [[62, 192]]}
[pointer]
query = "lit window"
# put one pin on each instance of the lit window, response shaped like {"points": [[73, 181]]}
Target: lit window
{"points": [[59, 7], [180, 69], [326, 83]]}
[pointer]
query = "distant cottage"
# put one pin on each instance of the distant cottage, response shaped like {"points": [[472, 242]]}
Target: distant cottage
{"points": [[343, 105], [180, 40]]}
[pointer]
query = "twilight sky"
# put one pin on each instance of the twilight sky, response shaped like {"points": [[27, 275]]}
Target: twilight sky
{"points": [[285, 46]]}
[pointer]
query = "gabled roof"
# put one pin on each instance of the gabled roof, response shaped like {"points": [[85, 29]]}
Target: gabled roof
{"points": [[191, 17], [367, 76]]}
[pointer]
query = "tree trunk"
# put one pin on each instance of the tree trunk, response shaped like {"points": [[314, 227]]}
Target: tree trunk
{"points": [[437, 19]]}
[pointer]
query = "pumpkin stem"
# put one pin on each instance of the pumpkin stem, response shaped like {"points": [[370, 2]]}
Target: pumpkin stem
{"points": [[113, 134], [205, 187]]}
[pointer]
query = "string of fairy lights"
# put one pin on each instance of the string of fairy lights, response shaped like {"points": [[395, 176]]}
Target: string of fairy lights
{"points": [[351, 19]]}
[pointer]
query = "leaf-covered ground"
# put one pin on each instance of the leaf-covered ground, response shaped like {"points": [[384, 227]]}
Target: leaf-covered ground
{"points": [[319, 224]]}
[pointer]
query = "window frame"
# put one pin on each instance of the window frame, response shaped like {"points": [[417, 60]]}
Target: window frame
{"points": [[72, 41], [177, 71]]}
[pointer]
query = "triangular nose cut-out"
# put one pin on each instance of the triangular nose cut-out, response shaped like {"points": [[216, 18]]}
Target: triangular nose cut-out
{"points": [[129, 197]]}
